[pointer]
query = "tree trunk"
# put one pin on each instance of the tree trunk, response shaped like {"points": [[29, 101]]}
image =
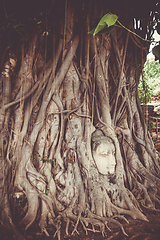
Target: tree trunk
{"points": [[53, 120]]}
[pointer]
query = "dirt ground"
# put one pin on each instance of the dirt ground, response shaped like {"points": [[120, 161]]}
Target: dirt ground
{"points": [[136, 229]]}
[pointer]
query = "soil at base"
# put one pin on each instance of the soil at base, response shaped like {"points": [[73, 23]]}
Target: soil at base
{"points": [[136, 229]]}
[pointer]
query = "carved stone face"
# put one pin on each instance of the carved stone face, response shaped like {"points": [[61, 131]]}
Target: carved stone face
{"points": [[104, 156]]}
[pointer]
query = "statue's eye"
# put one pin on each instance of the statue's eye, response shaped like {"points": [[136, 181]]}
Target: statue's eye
{"points": [[105, 154]]}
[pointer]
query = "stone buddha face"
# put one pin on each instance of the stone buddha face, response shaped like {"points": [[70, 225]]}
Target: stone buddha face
{"points": [[103, 151]]}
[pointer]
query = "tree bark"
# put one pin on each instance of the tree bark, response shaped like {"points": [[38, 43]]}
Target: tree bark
{"points": [[47, 123]]}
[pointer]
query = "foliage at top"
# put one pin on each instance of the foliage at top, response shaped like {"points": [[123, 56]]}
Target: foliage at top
{"points": [[152, 70], [149, 83]]}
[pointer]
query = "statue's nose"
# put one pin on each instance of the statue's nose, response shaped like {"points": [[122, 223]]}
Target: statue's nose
{"points": [[112, 160]]}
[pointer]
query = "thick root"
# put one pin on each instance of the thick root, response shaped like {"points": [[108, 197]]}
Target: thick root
{"points": [[33, 205]]}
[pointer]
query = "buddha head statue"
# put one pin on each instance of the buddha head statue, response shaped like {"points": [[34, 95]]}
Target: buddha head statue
{"points": [[103, 151]]}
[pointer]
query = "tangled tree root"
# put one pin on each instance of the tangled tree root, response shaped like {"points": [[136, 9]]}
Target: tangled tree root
{"points": [[90, 223]]}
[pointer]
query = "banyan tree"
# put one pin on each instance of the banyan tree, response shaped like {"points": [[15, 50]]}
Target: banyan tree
{"points": [[74, 141]]}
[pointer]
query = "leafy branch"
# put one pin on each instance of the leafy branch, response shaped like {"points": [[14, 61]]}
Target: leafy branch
{"points": [[108, 22]]}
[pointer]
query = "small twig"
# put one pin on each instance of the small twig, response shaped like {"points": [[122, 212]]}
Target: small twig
{"points": [[133, 32], [56, 233], [84, 227], [46, 232], [139, 46], [67, 226], [106, 224], [122, 217], [93, 230], [75, 228], [80, 115], [151, 209]]}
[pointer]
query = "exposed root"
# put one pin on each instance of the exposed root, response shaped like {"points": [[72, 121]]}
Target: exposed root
{"points": [[151, 209], [93, 220], [155, 198], [134, 213], [106, 220], [67, 226], [57, 233], [43, 219], [93, 229], [75, 228], [46, 232], [122, 217], [108, 227]]}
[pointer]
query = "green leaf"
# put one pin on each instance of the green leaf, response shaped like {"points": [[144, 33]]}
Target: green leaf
{"points": [[104, 30], [92, 31], [109, 19], [47, 191], [99, 28]]}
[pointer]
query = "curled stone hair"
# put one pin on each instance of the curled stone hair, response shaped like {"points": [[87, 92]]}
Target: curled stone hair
{"points": [[97, 138]]}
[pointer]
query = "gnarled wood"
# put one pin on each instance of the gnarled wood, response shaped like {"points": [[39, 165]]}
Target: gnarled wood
{"points": [[57, 106]]}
